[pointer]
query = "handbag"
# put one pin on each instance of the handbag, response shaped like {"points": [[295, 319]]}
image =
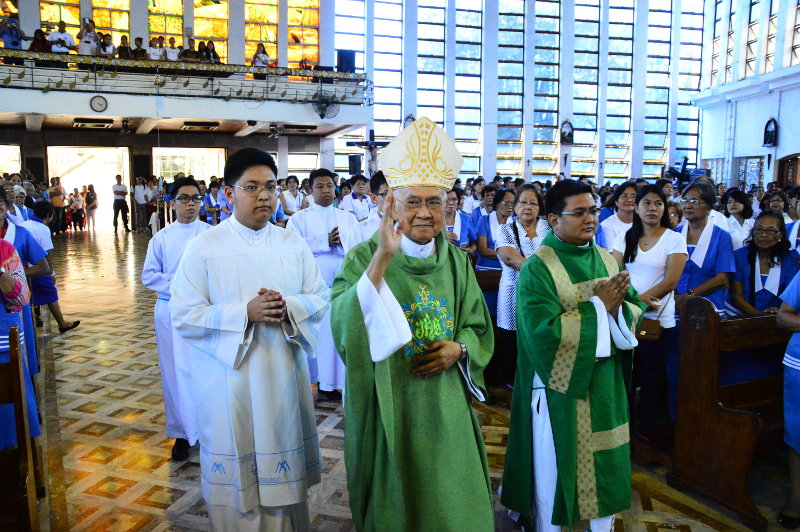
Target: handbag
{"points": [[649, 329]]}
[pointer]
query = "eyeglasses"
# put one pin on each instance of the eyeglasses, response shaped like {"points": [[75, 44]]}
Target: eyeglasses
{"points": [[695, 202], [771, 231], [507, 203], [583, 213], [627, 196], [184, 198], [255, 190], [415, 204], [527, 204]]}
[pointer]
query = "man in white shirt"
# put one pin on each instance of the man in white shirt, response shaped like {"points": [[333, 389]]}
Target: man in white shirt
{"points": [[364, 229], [321, 225], [163, 254], [140, 198], [76, 205], [357, 202], [120, 203], [248, 298], [172, 52], [62, 42]]}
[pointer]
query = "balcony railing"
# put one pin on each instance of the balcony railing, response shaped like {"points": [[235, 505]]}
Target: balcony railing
{"points": [[68, 72]]}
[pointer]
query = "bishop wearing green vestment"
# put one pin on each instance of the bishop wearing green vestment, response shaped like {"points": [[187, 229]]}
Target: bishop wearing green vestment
{"points": [[413, 329], [568, 456]]}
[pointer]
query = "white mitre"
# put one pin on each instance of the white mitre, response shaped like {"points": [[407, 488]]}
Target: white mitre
{"points": [[422, 155]]}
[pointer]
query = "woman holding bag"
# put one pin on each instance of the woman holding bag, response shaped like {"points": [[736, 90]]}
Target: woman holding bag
{"points": [[655, 256]]}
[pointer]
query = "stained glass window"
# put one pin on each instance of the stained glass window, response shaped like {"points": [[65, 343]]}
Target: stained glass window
{"points": [[165, 17], [303, 33], [211, 24], [53, 11], [261, 26], [112, 16], [752, 38]]}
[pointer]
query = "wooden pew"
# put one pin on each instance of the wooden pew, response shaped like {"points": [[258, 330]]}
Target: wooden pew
{"points": [[488, 280], [720, 429], [18, 508]]}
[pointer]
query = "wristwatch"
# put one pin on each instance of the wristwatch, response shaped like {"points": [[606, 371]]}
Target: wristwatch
{"points": [[463, 351]]}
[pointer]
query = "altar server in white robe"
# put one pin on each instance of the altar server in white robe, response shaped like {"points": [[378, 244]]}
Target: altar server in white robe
{"points": [[364, 229], [323, 227], [163, 254], [248, 298]]}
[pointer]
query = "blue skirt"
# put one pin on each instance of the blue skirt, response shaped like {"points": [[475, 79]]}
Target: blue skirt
{"points": [[8, 432], [43, 290], [791, 407]]}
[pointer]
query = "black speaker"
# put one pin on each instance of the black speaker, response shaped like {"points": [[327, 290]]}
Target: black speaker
{"points": [[355, 163], [346, 61], [142, 166], [35, 165]]}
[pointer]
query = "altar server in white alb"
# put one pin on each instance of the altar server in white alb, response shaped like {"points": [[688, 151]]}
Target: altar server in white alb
{"points": [[324, 227], [248, 297], [163, 254], [363, 230]]}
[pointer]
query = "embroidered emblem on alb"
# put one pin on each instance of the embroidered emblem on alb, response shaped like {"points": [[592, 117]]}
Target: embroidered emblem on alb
{"points": [[429, 319]]}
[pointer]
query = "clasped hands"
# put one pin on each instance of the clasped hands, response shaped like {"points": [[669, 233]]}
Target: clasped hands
{"points": [[441, 355], [267, 307], [612, 292]]}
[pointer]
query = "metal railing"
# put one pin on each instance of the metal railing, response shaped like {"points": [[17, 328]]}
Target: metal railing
{"points": [[69, 72]]}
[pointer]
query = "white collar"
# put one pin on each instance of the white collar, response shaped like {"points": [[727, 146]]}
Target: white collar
{"points": [[773, 283], [700, 250], [457, 225], [11, 231], [793, 235], [245, 232], [420, 251]]}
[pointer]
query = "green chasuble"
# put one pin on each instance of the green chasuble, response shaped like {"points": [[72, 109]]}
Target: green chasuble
{"points": [[586, 395], [413, 447]]}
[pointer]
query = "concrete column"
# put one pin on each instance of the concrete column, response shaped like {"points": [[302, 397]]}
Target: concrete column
{"points": [[409, 74], [327, 151], [528, 91], [725, 16], [740, 37], [489, 89], [565, 85], [139, 22], [283, 34], [763, 29], [236, 32], [450, 68], [327, 35], [29, 18], [674, 86], [369, 53], [639, 87], [283, 157], [602, 93], [784, 35], [86, 10], [188, 26]]}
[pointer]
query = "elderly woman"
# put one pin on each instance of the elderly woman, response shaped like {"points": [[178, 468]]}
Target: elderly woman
{"points": [[624, 203], [518, 240], [486, 206], [777, 202], [460, 231], [764, 267], [738, 208], [22, 212], [710, 249]]}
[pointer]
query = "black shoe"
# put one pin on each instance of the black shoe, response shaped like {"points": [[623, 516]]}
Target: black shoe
{"points": [[330, 397], [180, 450], [75, 323]]}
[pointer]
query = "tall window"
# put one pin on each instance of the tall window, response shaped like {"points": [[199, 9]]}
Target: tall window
{"points": [[303, 32], [211, 24], [430, 60], [717, 44], [752, 38], [388, 68], [112, 16], [772, 32], [584, 101], [657, 96], [729, 53], [546, 71], [618, 94], [796, 38], [689, 81], [510, 88], [261, 26], [165, 18], [468, 83], [350, 35], [69, 11]]}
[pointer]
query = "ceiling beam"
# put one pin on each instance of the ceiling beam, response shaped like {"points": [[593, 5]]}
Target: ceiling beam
{"points": [[246, 130], [33, 122], [146, 126]]}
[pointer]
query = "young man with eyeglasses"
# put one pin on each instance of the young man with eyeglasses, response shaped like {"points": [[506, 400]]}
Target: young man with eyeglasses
{"points": [[248, 298], [163, 255], [576, 314], [322, 226]]}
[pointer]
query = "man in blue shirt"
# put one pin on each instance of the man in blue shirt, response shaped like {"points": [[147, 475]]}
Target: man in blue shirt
{"points": [[12, 36]]}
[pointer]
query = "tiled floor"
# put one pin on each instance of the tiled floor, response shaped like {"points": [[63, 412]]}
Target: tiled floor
{"points": [[108, 457]]}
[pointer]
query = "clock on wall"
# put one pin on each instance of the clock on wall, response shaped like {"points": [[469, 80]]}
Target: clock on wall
{"points": [[98, 104]]}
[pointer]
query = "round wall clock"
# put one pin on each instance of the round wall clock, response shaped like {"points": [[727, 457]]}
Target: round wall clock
{"points": [[98, 104]]}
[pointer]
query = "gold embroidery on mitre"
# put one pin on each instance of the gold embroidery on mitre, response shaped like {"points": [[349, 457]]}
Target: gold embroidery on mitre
{"points": [[421, 155]]}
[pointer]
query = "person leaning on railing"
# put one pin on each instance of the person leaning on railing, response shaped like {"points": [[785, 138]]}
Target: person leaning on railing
{"points": [[189, 54]]}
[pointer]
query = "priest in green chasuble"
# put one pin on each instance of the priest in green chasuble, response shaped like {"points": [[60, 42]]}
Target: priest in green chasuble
{"points": [[413, 330], [568, 456]]}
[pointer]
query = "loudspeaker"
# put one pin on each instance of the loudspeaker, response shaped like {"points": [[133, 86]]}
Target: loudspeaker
{"points": [[346, 61], [354, 161], [142, 167], [36, 167]]}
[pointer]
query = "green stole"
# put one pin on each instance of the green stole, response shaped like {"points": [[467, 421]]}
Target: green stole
{"points": [[414, 450], [586, 395]]}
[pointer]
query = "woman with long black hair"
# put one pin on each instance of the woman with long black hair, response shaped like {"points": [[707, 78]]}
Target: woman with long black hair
{"points": [[655, 256], [624, 202], [738, 208]]}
